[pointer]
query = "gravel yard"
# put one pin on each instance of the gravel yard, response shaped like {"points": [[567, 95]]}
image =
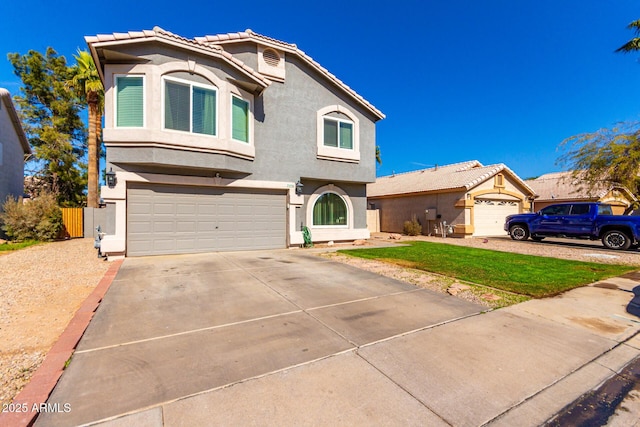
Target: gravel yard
{"points": [[41, 288]]}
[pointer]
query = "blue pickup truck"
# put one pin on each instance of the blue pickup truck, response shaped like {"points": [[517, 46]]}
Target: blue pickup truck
{"points": [[593, 221]]}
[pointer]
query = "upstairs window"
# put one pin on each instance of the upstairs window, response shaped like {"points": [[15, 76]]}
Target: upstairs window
{"points": [[338, 133], [240, 119], [330, 210], [189, 107], [129, 101]]}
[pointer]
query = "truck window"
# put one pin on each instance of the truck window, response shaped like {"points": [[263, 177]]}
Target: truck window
{"points": [[605, 210], [556, 210], [580, 209]]}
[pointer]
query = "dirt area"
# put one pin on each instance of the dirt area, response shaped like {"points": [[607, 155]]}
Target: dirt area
{"points": [[483, 295], [41, 288]]}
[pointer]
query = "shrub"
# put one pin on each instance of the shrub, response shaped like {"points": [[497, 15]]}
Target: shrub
{"points": [[413, 227], [39, 219]]}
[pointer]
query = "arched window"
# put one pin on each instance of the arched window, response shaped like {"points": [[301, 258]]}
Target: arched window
{"points": [[330, 209]]}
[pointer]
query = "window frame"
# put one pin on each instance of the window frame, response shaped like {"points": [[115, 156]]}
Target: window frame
{"points": [[338, 121], [248, 118], [191, 85], [116, 78], [325, 152], [346, 208]]}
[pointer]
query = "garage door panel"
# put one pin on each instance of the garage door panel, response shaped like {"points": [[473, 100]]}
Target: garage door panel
{"points": [[489, 216], [166, 219]]}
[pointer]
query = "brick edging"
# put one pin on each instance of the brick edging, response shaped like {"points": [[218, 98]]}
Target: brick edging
{"points": [[46, 377]]}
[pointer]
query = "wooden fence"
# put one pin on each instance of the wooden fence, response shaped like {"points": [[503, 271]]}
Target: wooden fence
{"points": [[72, 219]]}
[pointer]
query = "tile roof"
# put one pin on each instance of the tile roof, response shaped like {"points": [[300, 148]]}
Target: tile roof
{"points": [[463, 175], [166, 36], [5, 97], [563, 186], [248, 35]]}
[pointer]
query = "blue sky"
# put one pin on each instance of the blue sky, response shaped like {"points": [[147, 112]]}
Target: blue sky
{"points": [[499, 81]]}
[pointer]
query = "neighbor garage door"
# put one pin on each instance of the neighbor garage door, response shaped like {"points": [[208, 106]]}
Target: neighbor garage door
{"points": [[489, 215], [164, 219]]}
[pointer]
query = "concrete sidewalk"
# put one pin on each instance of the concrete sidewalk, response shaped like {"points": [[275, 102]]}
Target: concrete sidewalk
{"points": [[284, 338]]}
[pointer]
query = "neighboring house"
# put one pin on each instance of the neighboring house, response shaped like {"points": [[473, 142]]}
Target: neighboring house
{"points": [[14, 146], [229, 142], [469, 198], [561, 187]]}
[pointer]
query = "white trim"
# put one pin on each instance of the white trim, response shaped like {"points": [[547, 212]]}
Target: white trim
{"points": [[191, 85], [115, 100], [336, 153]]}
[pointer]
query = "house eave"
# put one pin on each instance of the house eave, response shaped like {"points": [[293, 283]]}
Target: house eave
{"points": [[5, 97]]}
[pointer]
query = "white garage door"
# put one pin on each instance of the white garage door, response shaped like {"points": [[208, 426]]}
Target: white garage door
{"points": [[164, 219], [489, 215]]}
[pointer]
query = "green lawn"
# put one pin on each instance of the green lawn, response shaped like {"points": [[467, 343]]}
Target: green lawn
{"points": [[6, 247], [522, 274]]}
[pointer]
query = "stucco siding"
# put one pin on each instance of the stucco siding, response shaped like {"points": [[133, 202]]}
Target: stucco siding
{"points": [[394, 211], [284, 125], [11, 158]]}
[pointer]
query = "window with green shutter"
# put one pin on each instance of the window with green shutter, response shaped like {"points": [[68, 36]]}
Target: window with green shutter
{"points": [[240, 119], [129, 101], [189, 107]]}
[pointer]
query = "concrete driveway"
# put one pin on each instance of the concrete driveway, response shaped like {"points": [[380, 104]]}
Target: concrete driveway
{"points": [[288, 338]]}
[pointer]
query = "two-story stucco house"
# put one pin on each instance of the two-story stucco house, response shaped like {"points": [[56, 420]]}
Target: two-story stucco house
{"points": [[13, 148], [229, 142]]}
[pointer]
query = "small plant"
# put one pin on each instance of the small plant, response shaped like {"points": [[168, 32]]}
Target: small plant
{"points": [[39, 219], [413, 227]]}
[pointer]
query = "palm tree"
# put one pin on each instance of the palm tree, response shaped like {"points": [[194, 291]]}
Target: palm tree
{"points": [[632, 45], [378, 157], [87, 83]]}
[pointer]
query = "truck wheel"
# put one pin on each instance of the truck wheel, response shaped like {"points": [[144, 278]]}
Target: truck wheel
{"points": [[519, 232], [614, 239]]}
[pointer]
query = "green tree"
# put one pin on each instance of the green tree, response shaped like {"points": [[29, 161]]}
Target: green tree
{"points": [[632, 45], [378, 156], [86, 81], [605, 157], [50, 116]]}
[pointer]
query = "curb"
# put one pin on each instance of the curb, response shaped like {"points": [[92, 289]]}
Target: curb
{"points": [[26, 405], [595, 407]]}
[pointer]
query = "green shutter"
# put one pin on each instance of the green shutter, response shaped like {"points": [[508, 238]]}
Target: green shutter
{"points": [[346, 135], [330, 133], [204, 111], [177, 106], [129, 102], [240, 119]]}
